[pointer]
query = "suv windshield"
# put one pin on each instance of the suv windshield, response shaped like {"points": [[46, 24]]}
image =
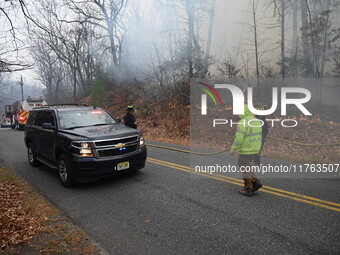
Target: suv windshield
{"points": [[84, 118]]}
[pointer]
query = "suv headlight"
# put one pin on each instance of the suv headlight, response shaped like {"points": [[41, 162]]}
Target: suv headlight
{"points": [[141, 141], [82, 149]]}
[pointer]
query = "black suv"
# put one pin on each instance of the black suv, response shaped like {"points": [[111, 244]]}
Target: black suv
{"points": [[84, 143]]}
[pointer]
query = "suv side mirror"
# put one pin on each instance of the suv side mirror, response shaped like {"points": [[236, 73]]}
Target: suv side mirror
{"points": [[47, 126], [119, 120]]}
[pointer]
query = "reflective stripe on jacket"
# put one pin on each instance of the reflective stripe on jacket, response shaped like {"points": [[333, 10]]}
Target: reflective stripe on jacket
{"points": [[248, 139]]}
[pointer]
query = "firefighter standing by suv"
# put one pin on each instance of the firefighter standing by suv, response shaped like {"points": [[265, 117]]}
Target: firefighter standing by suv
{"points": [[129, 118]]}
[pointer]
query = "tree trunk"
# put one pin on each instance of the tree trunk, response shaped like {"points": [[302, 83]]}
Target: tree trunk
{"points": [[295, 4], [325, 36], [190, 12], [74, 73], [255, 43], [283, 57], [113, 48], [211, 22], [307, 61]]}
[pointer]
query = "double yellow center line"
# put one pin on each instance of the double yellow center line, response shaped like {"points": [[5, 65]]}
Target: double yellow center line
{"points": [[278, 192]]}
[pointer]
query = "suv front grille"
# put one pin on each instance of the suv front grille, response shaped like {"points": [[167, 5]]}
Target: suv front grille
{"points": [[114, 142], [116, 152], [107, 148]]}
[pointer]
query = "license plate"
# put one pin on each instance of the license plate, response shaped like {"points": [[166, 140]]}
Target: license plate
{"points": [[123, 166]]}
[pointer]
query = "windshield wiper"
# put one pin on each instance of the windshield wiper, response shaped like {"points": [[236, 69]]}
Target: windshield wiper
{"points": [[75, 127], [102, 124], [95, 125]]}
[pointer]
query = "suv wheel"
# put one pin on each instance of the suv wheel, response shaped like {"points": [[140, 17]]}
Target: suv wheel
{"points": [[32, 156], [64, 170]]}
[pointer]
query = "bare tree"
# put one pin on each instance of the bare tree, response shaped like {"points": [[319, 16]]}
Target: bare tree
{"points": [[307, 59], [191, 14], [11, 45], [317, 33], [106, 15], [72, 42], [281, 9]]}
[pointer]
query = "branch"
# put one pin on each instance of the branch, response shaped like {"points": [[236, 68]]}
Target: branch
{"points": [[8, 67]]}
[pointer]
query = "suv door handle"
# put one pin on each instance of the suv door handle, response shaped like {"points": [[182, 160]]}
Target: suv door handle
{"points": [[41, 134]]}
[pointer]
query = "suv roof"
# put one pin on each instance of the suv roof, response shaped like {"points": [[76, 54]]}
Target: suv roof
{"points": [[64, 106]]}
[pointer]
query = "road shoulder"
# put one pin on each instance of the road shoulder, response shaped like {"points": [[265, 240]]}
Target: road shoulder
{"points": [[29, 224]]}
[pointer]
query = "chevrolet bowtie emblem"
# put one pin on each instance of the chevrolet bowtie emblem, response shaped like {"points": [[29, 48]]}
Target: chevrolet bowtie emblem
{"points": [[120, 145]]}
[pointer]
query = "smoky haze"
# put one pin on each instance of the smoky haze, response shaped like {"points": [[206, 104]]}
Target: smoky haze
{"points": [[76, 47]]}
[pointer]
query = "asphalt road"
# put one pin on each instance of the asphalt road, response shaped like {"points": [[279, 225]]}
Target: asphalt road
{"points": [[167, 208]]}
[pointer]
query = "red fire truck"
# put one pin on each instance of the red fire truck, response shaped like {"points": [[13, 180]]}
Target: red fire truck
{"points": [[18, 111]]}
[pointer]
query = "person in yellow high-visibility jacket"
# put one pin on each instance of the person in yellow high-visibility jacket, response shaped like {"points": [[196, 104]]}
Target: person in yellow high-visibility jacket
{"points": [[247, 144]]}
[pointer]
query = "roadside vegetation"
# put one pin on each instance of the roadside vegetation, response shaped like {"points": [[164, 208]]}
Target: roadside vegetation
{"points": [[168, 120], [29, 224]]}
